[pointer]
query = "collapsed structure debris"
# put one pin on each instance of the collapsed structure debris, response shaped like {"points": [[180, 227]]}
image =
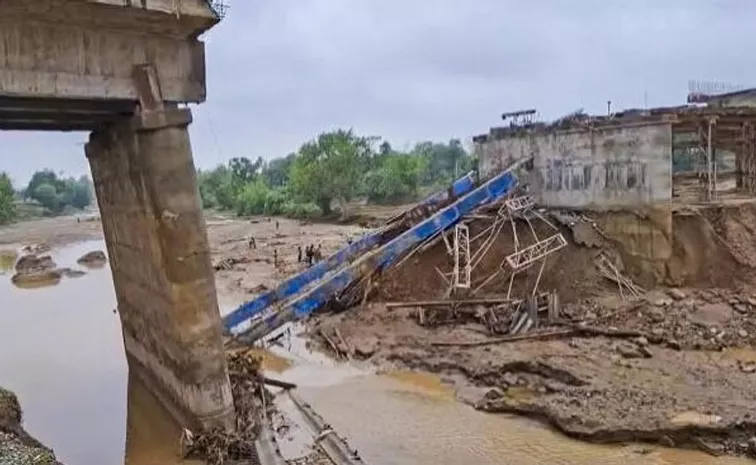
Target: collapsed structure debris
{"points": [[217, 446], [593, 263]]}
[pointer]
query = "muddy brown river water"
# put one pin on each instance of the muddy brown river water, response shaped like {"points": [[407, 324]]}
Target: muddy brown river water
{"points": [[61, 351]]}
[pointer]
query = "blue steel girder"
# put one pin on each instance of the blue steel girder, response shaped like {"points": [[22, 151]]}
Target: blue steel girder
{"points": [[494, 189], [300, 281]]}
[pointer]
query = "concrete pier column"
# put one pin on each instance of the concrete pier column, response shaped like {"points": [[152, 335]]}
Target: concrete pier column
{"points": [[149, 203]]}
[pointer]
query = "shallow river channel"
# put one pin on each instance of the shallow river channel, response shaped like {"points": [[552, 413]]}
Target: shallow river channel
{"points": [[61, 351]]}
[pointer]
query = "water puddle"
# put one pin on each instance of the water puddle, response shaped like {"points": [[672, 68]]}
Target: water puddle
{"points": [[61, 351]]}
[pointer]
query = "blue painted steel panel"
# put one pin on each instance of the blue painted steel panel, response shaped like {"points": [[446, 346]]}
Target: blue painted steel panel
{"points": [[298, 282], [494, 189]]}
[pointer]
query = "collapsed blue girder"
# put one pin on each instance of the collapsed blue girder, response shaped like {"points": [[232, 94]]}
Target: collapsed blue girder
{"points": [[300, 281], [309, 301]]}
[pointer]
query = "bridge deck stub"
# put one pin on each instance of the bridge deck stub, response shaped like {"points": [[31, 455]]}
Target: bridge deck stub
{"points": [[77, 73]]}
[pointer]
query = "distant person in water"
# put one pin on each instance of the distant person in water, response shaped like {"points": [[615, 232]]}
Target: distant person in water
{"points": [[299, 254], [252, 244]]}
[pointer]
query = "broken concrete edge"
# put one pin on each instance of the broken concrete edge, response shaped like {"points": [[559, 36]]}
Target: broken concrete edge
{"points": [[333, 445], [16, 444], [145, 121], [268, 452]]}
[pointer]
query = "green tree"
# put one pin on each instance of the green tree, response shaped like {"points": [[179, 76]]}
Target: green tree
{"points": [[46, 176], [445, 161], [48, 197], [7, 208], [330, 168], [275, 173], [244, 170], [56, 193], [396, 180], [217, 188], [252, 198], [81, 192]]}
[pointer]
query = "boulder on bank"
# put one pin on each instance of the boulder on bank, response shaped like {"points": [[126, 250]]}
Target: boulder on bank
{"points": [[10, 410], [16, 446], [96, 258]]}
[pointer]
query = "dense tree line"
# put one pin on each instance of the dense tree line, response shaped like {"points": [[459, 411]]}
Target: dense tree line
{"points": [[332, 170], [7, 208], [54, 193]]}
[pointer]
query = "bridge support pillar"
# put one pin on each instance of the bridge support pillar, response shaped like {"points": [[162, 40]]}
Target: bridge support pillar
{"points": [[149, 203]]}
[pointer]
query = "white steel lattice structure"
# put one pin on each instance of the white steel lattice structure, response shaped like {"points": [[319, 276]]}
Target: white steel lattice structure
{"points": [[462, 259], [523, 202], [529, 255]]}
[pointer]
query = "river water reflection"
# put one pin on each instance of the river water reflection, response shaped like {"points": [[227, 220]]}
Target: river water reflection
{"points": [[61, 351]]}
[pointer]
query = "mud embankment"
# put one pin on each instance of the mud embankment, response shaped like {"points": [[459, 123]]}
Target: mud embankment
{"points": [[16, 445], [674, 366]]}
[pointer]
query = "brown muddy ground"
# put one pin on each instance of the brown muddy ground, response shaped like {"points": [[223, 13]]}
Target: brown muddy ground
{"points": [[685, 378], [674, 366]]}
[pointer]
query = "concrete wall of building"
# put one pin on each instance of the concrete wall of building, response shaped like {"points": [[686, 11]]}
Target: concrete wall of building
{"points": [[747, 99], [604, 168], [149, 203], [88, 50]]}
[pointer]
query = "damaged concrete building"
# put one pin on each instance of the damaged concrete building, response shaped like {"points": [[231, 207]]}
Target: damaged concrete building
{"points": [[654, 163], [630, 159]]}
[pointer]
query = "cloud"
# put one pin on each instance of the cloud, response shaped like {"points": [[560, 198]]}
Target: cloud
{"points": [[280, 72]]}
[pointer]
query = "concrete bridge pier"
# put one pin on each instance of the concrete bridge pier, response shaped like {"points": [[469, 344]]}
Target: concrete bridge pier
{"points": [[149, 203]]}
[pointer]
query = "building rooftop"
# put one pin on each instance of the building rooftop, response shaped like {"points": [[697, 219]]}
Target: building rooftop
{"points": [[683, 116]]}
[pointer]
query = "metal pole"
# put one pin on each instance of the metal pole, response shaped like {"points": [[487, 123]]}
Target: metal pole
{"points": [[710, 163]]}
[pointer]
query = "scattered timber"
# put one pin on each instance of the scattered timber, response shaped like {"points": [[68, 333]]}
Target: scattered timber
{"points": [[444, 302], [573, 330]]}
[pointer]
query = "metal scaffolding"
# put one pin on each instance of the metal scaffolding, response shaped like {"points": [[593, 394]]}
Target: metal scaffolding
{"points": [[462, 260]]}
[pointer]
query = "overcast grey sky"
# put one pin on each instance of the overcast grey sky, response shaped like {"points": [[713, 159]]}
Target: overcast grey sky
{"points": [[281, 71]]}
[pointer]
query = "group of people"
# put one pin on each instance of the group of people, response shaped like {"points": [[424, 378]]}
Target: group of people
{"points": [[311, 254]]}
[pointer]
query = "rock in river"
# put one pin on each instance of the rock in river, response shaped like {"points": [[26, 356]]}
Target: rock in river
{"points": [[31, 263], [95, 259], [37, 278]]}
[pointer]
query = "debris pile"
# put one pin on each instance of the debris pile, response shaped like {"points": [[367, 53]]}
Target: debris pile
{"points": [[229, 263], [16, 446], [570, 320], [218, 446], [695, 319]]}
